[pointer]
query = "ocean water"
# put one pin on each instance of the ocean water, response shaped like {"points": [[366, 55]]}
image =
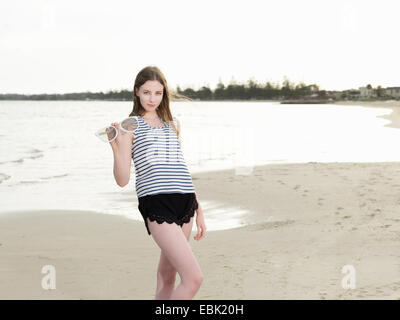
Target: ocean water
{"points": [[51, 159]]}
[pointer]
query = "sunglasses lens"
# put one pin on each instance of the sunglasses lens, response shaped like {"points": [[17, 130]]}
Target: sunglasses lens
{"points": [[107, 134], [129, 124]]}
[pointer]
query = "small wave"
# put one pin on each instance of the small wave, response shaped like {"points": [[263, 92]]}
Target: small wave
{"points": [[33, 150], [4, 177], [36, 154], [52, 177], [35, 157], [18, 160], [43, 179], [28, 182]]}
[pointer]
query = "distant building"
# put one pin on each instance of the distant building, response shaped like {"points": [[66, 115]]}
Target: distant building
{"points": [[393, 92], [337, 95], [333, 95], [352, 94], [367, 93]]}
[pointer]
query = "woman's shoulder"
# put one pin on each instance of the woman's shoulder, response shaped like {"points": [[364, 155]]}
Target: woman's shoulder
{"points": [[176, 120]]}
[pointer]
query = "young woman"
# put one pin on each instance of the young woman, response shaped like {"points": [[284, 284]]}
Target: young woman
{"points": [[166, 194]]}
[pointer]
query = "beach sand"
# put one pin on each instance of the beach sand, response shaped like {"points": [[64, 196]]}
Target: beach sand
{"points": [[311, 220]]}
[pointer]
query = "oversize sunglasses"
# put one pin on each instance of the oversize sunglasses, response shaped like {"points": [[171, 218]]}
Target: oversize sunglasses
{"points": [[110, 133], [130, 124]]}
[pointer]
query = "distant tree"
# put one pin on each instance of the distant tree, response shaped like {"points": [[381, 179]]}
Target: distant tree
{"points": [[287, 89], [219, 91], [204, 93], [253, 91], [189, 92], [379, 91]]}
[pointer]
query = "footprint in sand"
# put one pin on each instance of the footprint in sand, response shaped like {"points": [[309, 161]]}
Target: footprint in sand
{"points": [[296, 187]]}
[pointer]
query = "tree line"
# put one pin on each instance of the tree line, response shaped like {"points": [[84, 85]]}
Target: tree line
{"points": [[250, 90]]}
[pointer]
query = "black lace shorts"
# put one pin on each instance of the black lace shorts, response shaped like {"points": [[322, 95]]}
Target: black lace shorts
{"points": [[170, 207]]}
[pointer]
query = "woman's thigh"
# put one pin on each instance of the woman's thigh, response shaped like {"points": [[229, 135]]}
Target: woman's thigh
{"points": [[175, 246], [165, 265]]}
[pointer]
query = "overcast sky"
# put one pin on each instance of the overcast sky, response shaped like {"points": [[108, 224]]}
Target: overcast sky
{"points": [[60, 46]]}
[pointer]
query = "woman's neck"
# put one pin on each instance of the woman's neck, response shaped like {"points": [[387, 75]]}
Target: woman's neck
{"points": [[150, 115]]}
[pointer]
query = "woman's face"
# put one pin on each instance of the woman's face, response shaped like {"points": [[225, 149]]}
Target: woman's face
{"points": [[150, 94]]}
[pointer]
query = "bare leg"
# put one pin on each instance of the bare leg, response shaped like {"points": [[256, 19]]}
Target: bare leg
{"points": [[175, 247], [166, 273]]}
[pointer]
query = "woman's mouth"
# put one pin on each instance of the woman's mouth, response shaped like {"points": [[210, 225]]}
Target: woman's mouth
{"points": [[151, 105]]}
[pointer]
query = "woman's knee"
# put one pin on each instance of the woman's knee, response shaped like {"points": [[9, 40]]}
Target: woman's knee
{"points": [[194, 280], [199, 279]]}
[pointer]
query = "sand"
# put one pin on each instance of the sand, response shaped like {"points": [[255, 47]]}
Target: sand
{"points": [[310, 220]]}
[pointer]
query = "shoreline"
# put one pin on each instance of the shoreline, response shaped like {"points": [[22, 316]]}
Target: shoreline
{"points": [[307, 221], [394, 117]]}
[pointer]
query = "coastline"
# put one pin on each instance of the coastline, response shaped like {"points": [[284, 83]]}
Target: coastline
{"points": [[309, 220], [393, 105]]}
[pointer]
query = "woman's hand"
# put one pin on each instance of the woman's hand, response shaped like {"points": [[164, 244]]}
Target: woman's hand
{"points": [[122, 149], [201, 225], [122, 140]]}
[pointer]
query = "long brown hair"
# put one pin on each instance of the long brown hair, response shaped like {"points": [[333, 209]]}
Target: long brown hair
{"points": [[163, 110]]}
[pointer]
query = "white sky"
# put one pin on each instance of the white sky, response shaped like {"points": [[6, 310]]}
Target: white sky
{"points": [[60, 46]]}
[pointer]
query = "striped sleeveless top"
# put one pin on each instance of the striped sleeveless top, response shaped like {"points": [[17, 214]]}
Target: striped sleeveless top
{"points": [[158, 159]]}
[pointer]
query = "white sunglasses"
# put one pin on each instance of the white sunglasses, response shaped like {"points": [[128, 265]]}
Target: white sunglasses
{"points": [[110, 133], [130, 124]]}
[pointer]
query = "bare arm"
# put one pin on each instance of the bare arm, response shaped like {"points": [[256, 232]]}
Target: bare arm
{"points": [[121, 148]]}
